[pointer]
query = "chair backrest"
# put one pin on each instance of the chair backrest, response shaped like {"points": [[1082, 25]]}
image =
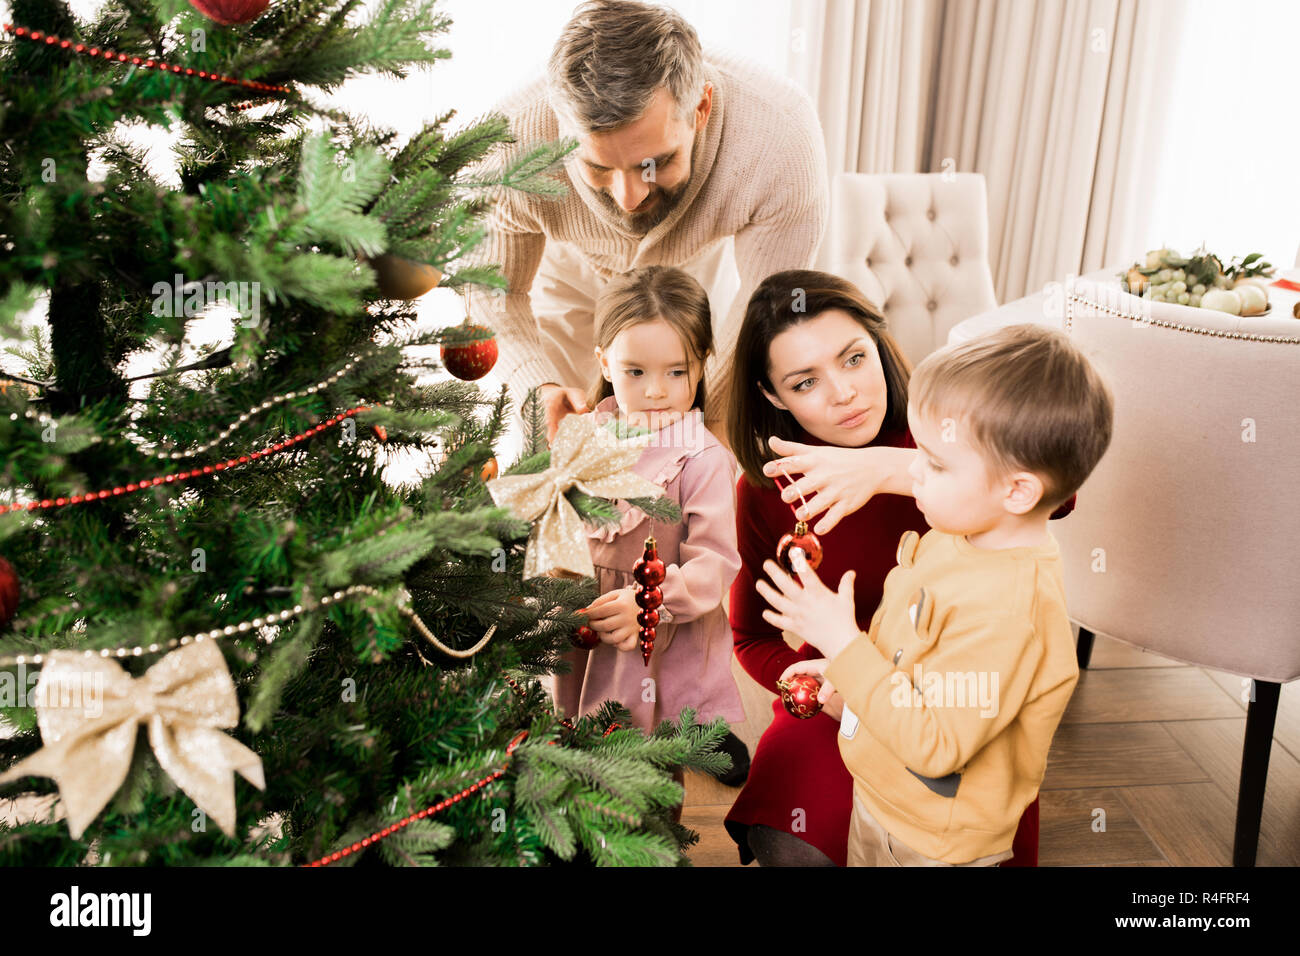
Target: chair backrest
{"points": [[916, 244], [1186, 538]]}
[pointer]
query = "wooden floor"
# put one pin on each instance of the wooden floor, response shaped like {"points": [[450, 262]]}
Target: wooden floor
{"points": [[1152, 744]]}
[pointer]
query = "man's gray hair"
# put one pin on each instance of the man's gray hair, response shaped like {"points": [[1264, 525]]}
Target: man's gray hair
{"points": [[611, 57]]}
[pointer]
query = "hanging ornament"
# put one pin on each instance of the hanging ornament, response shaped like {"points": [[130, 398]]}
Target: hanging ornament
{"points": [[381, 432], [230, 12], [803, 541], [474, 359], [401, 278], [649, 573], [801, 547], [8, 592], [799, 695], [584, 637], [489, 470]]}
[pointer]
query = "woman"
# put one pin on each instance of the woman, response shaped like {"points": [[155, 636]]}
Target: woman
{"points": [[816, 370]]}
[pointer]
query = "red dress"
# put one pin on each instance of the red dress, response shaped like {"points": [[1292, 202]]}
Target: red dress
{"points": [[797, 782]]}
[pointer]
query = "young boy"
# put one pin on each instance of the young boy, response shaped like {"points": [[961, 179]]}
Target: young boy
{"points": [[952, 697]]}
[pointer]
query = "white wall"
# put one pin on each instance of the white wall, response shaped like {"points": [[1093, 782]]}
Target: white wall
{"points": [[1230, 165]]}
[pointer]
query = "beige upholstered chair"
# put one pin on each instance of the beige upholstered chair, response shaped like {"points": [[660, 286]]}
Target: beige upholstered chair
{"points": [[1187, 540], [917, 247]]}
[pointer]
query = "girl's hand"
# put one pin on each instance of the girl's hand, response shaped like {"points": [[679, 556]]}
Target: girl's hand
{"points": [[823, 618], [613, 617], [830, 699], [838, 480]]}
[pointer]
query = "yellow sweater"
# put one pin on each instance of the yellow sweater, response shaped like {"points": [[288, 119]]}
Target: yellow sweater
{"points": [[952, 698]]}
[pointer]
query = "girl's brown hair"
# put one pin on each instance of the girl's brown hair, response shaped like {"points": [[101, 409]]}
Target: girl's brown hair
{"points": [[781, 300], [644, 295]]}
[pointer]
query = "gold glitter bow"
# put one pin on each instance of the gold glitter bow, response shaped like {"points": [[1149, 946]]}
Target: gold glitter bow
{"points": [[583, 456], [89, 710]]}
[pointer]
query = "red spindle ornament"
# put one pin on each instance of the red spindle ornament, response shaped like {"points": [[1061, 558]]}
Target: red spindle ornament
{"points": [[649, 573]]}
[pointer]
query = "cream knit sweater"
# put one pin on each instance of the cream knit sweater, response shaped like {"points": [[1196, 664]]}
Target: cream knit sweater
{"points": [[759, 173]]}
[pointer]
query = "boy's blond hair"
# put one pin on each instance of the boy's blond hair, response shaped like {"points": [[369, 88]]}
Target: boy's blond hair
{"points": [[1030, 400]]}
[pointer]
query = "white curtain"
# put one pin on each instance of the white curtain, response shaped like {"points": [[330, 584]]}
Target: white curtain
{"points": [[868, 66], [1051, 100]]}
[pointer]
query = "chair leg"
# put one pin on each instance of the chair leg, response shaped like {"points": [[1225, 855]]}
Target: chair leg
{"points": [[1084, 647], [1261, 714]]}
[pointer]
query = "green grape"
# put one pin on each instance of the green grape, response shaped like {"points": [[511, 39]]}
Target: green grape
{"points": [[1198, 289], [1183, 297], [1180, 275], [1179, 287], [1195, 300], [1164, 275]]}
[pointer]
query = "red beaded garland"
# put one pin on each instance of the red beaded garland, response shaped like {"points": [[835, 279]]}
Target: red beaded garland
{"points": [[184, 475], [420, 815], [96, 52]]}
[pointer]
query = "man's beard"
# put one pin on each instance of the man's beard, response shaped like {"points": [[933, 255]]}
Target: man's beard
{"points": [[641, 223]]}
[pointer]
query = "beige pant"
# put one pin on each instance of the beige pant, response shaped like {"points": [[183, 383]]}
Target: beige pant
{"points": [[564, 295], [871, 845]]}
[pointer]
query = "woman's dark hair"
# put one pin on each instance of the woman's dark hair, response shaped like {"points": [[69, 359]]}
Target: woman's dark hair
{"points": [[781, 300]]}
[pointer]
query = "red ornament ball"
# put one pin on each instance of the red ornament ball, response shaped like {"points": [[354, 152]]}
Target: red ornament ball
{"points": [[584, 637], [8, 592], [230, 12], [649, 573], [799, 695], [472, 360], [804, 540], [649, 598]]}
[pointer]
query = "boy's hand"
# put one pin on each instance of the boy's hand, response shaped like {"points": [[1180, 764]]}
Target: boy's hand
{"points": [[830, 699], [613, 617], [823, 618]]}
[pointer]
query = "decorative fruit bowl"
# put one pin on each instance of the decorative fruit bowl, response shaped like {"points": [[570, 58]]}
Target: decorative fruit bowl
{"points": [[1201, 281]]}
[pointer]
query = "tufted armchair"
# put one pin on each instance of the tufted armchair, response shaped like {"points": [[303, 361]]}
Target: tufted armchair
{"points": [[1191, 546], [916, 244]]}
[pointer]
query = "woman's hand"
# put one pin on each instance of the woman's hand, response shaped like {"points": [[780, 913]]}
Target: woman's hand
{"points": [[830, 699], [838, 480], [613, 617]]}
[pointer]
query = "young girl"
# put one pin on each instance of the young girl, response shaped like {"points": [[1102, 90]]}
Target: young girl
{"points": [[653, 334]]}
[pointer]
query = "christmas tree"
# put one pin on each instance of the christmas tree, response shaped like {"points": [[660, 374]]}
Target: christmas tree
{"points": [[224, 637]]}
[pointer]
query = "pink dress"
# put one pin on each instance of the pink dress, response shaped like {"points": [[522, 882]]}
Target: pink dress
{"points": [[691, 662]]}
